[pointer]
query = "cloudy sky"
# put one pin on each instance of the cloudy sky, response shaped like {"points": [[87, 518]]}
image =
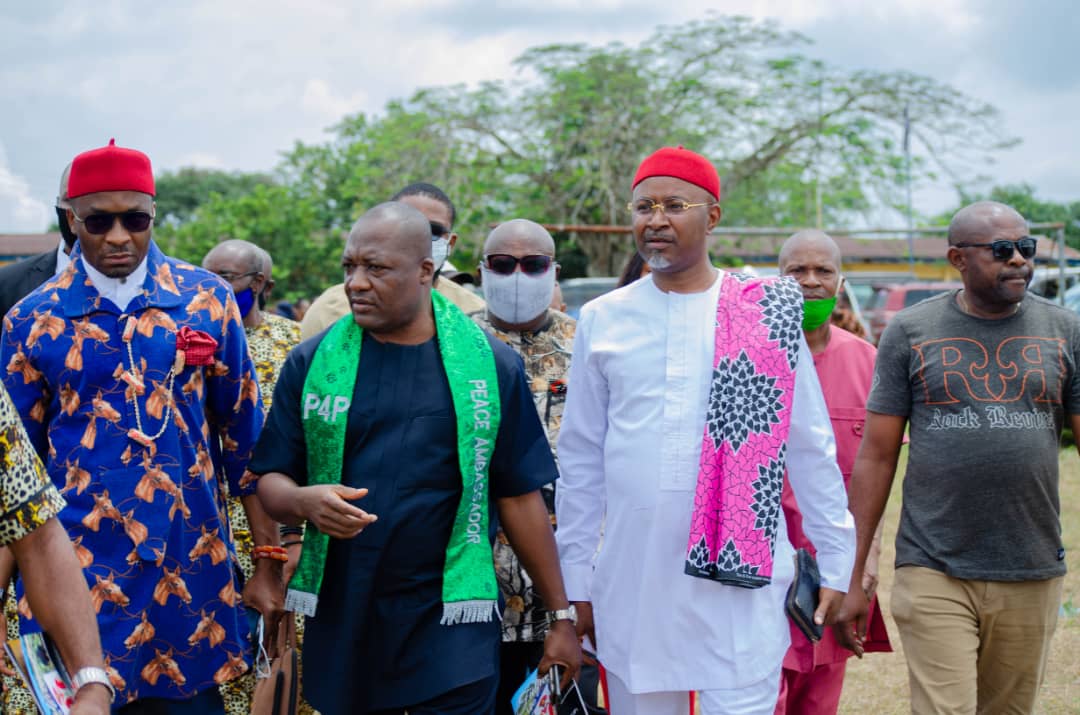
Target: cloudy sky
{"points": [[232, 83]]}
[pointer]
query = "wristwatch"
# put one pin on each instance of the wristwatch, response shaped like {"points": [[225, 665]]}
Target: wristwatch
{"points": [[90, 675], [563, 614]]}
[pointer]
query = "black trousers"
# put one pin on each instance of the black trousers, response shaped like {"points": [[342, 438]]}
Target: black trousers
{"points": [[207, 702], [516, 660], [473, 699]]}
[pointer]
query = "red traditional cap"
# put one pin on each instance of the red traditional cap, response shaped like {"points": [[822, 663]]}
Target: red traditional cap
{"points": [[682, 164], [110, 168]]}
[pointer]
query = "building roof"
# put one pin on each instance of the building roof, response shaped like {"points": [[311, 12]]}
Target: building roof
{"points": [[15, 246], [755, 249], [759, 245]]}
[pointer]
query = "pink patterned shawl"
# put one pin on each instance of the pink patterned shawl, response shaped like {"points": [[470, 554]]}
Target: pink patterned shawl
{"points": [[743, 451]]}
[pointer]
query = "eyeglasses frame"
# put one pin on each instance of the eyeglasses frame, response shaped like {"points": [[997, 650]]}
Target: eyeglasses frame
{"points": [[1014, 247], [686, 206], [116, 215]]}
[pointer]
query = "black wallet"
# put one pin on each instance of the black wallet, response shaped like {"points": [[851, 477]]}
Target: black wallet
{"points": [[802, 597]]}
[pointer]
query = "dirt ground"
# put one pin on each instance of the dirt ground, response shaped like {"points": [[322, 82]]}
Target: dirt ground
{"points": [[878, 683]]}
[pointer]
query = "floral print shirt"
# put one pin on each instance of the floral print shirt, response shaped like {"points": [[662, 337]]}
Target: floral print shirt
{"points": [[270, 342], [546, 353], [136, 436]]}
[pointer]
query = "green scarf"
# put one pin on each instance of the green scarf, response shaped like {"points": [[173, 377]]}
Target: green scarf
{"points": [[469, 589]]}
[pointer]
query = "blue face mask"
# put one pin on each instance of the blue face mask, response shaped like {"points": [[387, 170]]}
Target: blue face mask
{"points": [[245, 299]]}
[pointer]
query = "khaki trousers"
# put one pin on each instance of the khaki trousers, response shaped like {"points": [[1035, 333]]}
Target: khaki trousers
{"points": [[974, 646]]}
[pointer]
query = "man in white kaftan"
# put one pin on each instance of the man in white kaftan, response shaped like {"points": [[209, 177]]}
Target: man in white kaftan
{"points": [[630, 449]]}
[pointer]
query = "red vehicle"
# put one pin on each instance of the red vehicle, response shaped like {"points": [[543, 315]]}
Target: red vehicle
{"points": [[890, 299]]}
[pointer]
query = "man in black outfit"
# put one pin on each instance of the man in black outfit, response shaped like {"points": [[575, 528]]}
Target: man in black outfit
{"points": [[381, 642], [21, 277]]}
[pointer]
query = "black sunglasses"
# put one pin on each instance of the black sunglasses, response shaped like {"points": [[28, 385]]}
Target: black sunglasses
{"points": [[505, 264], [1003, 248], [438, 230], [102, 221]]}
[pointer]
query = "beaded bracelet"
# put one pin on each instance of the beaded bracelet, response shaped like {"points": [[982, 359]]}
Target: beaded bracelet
{"points": [[275, 557], [268, 550], [277, 553]]}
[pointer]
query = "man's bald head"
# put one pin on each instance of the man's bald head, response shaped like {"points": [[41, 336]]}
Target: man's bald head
{"points": [[396, 227], [388, 272], [813, 239], [520, 237], [977, 221], [519, 299], [812, 258], [994, 283], [236, 251], [265, 260], [62, 193], [245, 267], [62, 206]]}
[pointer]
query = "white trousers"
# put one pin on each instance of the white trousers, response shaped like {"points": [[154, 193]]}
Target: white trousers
{"points": [[757, 699]]}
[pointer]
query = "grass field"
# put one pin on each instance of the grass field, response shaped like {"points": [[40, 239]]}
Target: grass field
{"points": [[878, 683]]}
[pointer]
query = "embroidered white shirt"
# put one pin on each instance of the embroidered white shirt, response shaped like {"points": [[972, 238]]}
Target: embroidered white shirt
{"points": [[629, 451]]}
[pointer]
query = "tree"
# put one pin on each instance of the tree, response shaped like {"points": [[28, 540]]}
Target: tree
{"points": [[1022, 198], [560, 142], [180, 193], [774, 121], [307, 256]]}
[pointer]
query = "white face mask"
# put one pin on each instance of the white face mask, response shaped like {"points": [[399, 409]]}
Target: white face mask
{"points": [[440, 251], [517, 298]]}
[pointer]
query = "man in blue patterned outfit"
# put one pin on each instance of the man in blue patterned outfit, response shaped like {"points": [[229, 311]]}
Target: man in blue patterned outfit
{"points": [[131, 372]]}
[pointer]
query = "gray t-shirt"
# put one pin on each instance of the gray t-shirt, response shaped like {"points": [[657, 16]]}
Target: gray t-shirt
{"points": [[985, 400]]}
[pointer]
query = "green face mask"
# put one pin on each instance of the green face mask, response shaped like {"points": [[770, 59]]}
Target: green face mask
{"points": [[817, 312]]}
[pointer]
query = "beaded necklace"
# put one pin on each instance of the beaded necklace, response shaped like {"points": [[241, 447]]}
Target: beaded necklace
{"points": [[134, 380]]}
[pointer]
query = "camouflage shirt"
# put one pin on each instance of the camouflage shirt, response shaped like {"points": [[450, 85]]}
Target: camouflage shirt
{"points": [[546, 353]]}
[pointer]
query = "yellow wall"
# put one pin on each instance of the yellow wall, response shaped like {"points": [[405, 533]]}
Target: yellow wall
{"points": [[940, 271]]}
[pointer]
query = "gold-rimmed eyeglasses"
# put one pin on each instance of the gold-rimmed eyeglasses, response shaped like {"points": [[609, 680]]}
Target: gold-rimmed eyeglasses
{"points": [[671, 207]]}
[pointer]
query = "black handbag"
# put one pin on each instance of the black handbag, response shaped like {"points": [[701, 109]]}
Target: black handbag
{"points": [[803, 598], [572, 701]]}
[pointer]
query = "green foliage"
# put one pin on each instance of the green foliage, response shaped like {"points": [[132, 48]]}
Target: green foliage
{"points": [[1022, 198], [307, 256], [180, 193], [559, 144]]}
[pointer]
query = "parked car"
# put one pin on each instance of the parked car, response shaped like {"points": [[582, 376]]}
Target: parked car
{"points": [[1072, 299], [579, 291], [891, 298], [862, 283], [1045, 279]]}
